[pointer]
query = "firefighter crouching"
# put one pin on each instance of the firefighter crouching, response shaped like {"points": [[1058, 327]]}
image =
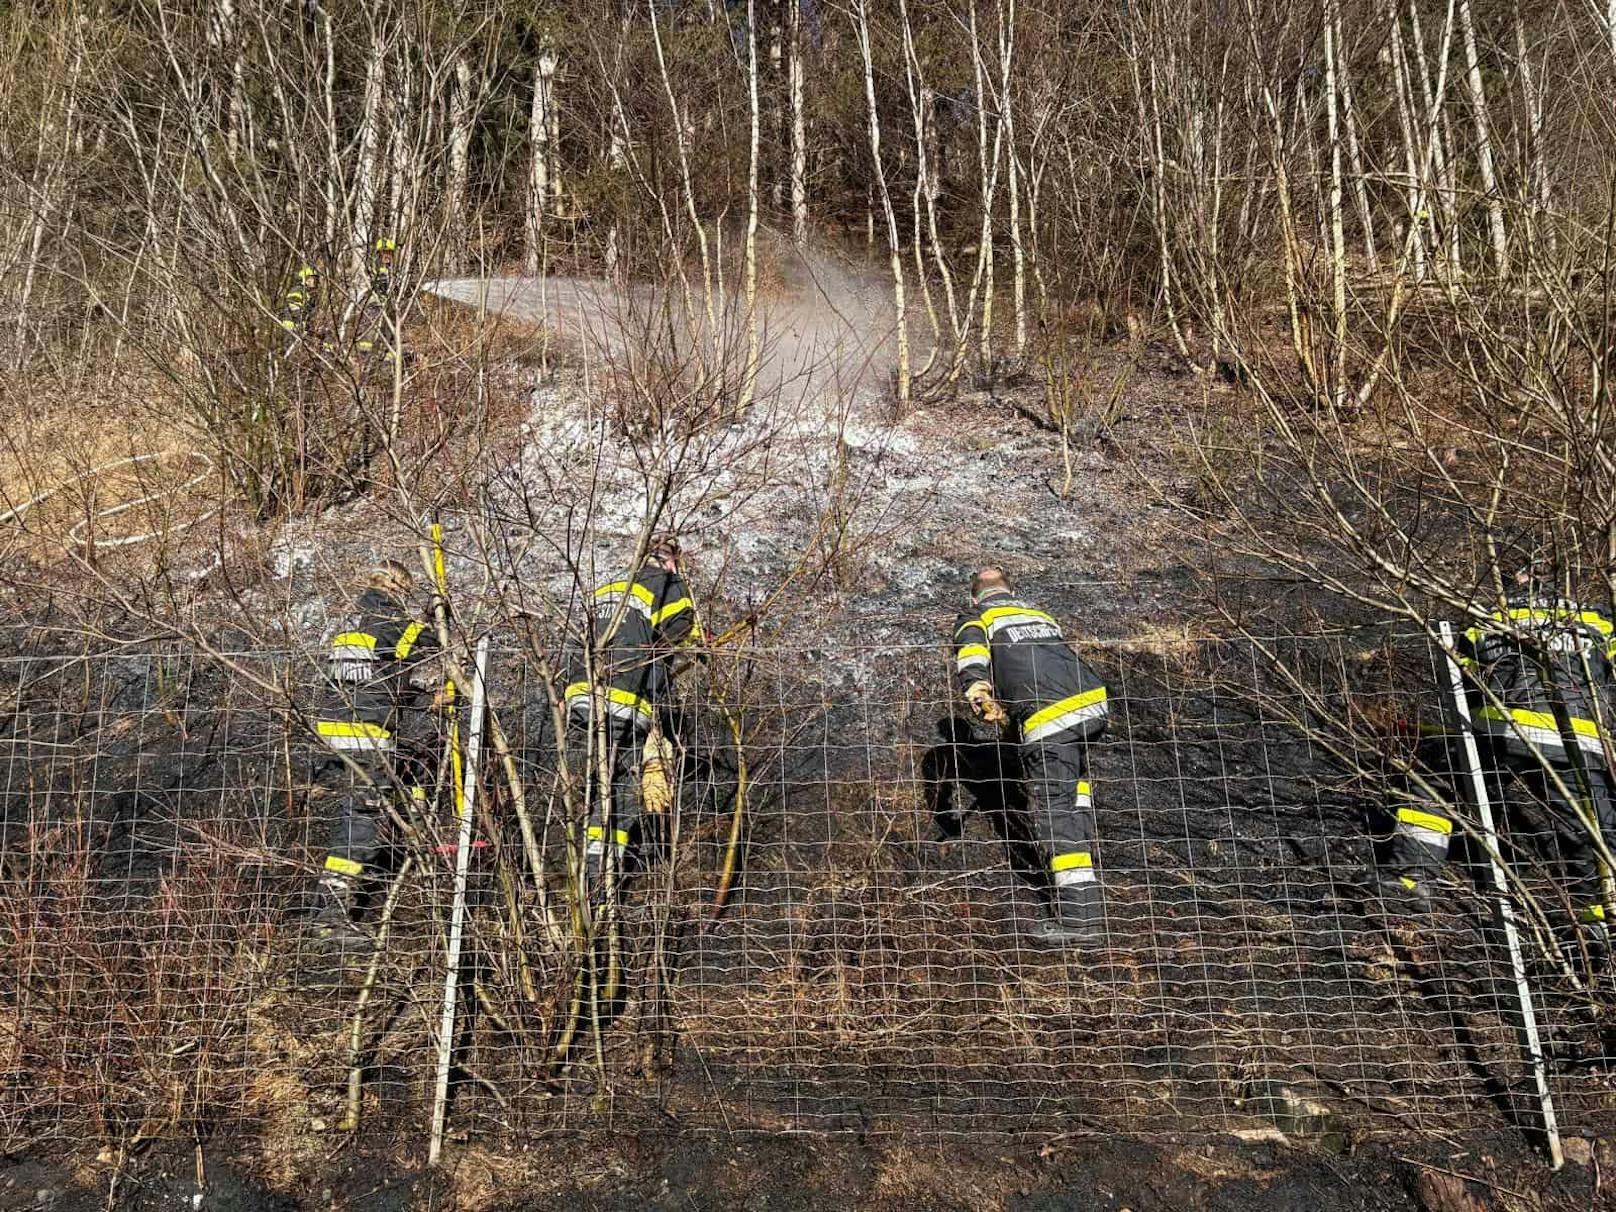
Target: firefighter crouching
{"points": [[374, 718], [1543, 698], [1017, 671], [655, 617]]}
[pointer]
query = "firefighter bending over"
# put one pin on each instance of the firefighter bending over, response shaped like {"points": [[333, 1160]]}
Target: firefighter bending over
{"points": [[1543, 697], [376, 719], [654, 617], [1016, 670]]}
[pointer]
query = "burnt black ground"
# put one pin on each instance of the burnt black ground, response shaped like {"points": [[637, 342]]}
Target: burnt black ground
{"points": [[669, 1171], [864, 982]]}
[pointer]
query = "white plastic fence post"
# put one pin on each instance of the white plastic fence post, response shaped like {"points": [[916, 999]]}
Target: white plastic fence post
{"points": [[1506, 913], [457, 918]]}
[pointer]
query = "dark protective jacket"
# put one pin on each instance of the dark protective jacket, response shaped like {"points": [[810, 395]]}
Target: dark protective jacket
{"points": [[297, 310], [1559, 662], [368, 674], [1048, 691], [659, 618]]}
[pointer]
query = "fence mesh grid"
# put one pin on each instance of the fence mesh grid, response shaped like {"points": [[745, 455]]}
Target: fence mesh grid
{"points": [[162, 827]]}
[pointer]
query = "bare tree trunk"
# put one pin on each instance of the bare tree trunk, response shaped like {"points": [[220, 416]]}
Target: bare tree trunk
{"points": [[225, 35], [1337, 229], [1349, 126], [1532, 99], [777, 107], [1147, 100], [894, 247], [989, 170], [335, 174], [681, 142], [749, 286], [1484, 141], [799, 127], [51, 188], [1007, 40], [454, 192], [538, 179], [400, 109], [920, 103], [1437, 127], [616, 145], [369, 184], [1413, 190]]}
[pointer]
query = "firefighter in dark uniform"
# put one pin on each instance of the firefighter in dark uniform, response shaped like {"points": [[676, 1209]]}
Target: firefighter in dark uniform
{"points": [[374, 718], [376, 316], [298, 308], [1422, 831], [655, 617], [1017, 671], [1544, 702], [1420, 808]]}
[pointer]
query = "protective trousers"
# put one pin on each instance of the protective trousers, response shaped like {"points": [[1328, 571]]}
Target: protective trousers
{"points": [[1421, 833], [1579, 859], [355, 843], [624, 741], [1062, 806]]}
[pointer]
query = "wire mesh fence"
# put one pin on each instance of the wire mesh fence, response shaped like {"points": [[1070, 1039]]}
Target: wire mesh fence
{"points": [[866, 966]]}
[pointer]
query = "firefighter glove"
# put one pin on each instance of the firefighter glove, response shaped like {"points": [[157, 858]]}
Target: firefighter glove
{"points": [[985, 707], [656, 785]]}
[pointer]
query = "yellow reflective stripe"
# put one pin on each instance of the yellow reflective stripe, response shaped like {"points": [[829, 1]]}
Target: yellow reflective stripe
{"points": [[343, 866], [351, 728], [1083, 787], [1593, 913], [1065, 862], [1408, 882], [354, 639], [973, 652], [966, 626], [1541, 719], [407, 641], [631, 587], [659, 617], [1424, 820], [625, 698], [1534, 615], [596, 833], [1087, 699], [989, 617]]}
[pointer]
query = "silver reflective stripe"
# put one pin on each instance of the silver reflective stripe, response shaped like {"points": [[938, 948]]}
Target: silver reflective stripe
{"points": [[1076, 875], [970, 662], [370, 744], [1085, 800], [617, 711], [352, 665], [609, 601], [1546, 739], [1017, 620], [1060, 723], [1434, 838]]}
